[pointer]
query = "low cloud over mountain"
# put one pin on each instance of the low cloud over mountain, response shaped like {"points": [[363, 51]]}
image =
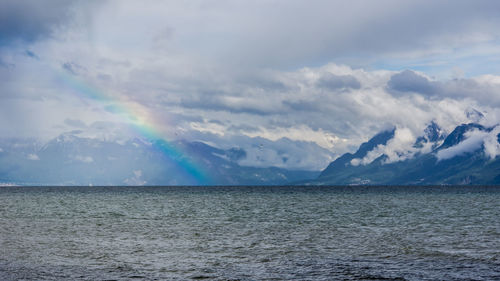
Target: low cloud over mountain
{"points": [[468, 155]]}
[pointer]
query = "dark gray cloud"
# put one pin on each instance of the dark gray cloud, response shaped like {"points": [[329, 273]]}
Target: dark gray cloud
{"points": [[28, 20], [357, 33], [485, 93], [409, 81], [334, 82], [249, 34]]}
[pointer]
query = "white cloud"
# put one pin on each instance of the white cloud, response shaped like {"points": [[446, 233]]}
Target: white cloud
{"points": [[474, 140], [491, 143], [399, 148], [299, 109], [268, 34]]}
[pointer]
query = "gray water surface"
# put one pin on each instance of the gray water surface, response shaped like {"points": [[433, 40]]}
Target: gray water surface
{"points": [[250, 233]]}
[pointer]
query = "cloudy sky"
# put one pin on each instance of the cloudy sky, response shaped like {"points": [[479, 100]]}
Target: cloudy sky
{"points": [[309, 79]]}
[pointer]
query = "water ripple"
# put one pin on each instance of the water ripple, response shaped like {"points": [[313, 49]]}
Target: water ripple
{"points": [[249, 233]]}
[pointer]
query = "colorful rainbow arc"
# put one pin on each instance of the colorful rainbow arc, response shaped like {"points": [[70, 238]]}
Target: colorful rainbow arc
{"points": [[142, 127]]}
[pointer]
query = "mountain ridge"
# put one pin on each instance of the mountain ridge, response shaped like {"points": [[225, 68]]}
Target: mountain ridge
{"points": [[470, 165], [467, 155]]}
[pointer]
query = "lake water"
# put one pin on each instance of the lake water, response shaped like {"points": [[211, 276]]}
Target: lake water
{"points": [[250, 233]]}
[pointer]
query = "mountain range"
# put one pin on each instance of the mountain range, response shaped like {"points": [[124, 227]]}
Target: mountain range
{"points": [[462, 157], [72, 160], [467, 155]]}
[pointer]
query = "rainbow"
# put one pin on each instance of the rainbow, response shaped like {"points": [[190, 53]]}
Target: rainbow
{"points": [[142, 123]]}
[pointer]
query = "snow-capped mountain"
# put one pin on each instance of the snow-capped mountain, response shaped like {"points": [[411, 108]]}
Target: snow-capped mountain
{"points": [[468, 155]]}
